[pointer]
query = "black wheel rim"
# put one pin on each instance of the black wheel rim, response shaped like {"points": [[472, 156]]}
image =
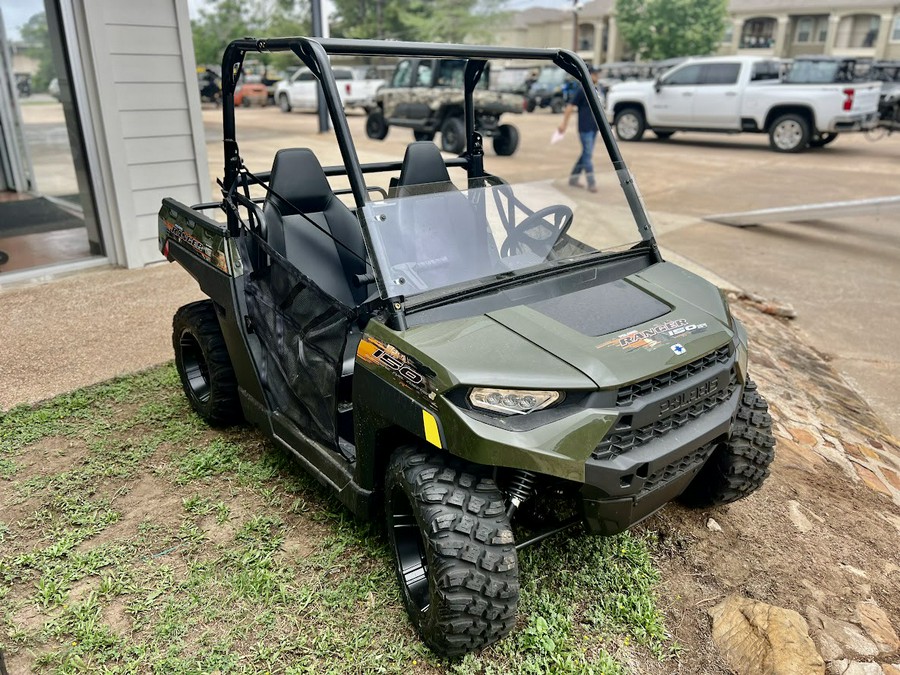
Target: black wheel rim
{"points": [[409, 551], [196, 370]]}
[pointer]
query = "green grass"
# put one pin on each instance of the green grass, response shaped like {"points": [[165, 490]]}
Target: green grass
{"points": [[135, 539]]}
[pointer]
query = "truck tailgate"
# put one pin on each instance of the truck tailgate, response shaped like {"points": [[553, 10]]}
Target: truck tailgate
{"points": [[865, 96]]}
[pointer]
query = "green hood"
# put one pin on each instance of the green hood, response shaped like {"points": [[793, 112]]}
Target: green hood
{"points": [[522, 347]]}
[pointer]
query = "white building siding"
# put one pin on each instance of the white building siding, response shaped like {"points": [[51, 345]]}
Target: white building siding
{"points": [[148, 115]]}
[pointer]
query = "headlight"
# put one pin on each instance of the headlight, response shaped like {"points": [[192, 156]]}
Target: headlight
{"points": [[512, 401]]}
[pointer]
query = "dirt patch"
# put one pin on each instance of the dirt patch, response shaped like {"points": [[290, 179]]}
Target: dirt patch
{"points": [[816, 535], [117, 618], [150, 499]]}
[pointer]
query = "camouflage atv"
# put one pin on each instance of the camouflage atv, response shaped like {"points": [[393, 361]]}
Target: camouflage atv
{"points": [[426, 95], [476, 363]]}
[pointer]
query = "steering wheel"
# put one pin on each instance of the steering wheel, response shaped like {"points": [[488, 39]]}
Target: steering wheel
{"points": [[537, 232]]}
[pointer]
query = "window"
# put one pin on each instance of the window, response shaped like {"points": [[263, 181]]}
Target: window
{"points": [[403, 74], [305, 76], [858, 30], [341, 74], [765, 70], [686, 75], [805, 29], [423, 74], [721, 73], [758, 33], [895, 33]]}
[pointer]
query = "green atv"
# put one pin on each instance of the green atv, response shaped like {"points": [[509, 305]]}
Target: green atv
{"points": [[482, 363]]}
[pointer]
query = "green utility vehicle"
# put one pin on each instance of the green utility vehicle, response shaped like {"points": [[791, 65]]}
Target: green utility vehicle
{"points": [[479, 361]]}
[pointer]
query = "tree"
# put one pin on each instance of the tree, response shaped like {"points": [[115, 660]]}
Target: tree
{"points": [[225, 20], [36, 37], [426, 20], [662, 29]]}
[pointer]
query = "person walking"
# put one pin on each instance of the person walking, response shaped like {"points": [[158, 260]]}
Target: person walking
{"points": [[587, 133]]}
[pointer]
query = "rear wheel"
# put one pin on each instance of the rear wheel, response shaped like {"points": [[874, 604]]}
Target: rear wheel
{"points": [[284, 103], [454, 551], [453, 135], [557, 104], [203, 364], [738, 466], [630, 124], [789, 133], [507, 140], [376, 125], [530, 105]]}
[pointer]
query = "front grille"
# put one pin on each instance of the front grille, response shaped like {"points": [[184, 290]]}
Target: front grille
{"points": [[627, 395], [621, 440], [678, 468]]}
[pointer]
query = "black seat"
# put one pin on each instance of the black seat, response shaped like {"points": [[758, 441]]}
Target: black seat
{"points": [[299, 186], [423, 170]]}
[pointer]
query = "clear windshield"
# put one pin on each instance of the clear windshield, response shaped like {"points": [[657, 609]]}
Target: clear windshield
{"points": [[440, 236], [812, 72]]}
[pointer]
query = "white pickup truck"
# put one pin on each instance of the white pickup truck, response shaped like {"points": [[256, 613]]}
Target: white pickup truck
{"points": [[301, 89], [734, 94]]}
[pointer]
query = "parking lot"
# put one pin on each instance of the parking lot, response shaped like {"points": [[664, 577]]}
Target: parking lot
{"points": [[842, 276]]}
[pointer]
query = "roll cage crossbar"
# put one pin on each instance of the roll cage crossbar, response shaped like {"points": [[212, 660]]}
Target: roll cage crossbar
{"points": [[315, 53]]}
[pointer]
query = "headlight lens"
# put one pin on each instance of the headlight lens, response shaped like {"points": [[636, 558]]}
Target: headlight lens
{"points": [[512, 401]]}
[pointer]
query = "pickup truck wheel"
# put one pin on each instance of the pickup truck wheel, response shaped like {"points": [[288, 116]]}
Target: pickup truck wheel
{"points": [[530, 105], [453, 135], [203, 364], [424, 135], [376, 126], [557, 105], [821, 140], [453, 547], [507, 140], [284, 103], [789, 133], [630, 124], [738, 466]]}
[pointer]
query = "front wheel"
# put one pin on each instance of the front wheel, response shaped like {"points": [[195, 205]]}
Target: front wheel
{"points": [[204, 365], [630, 124], [506, 141], [789, 133], [453, 548], [284, 103], [376, 125], [557, 105], [738, 466]]}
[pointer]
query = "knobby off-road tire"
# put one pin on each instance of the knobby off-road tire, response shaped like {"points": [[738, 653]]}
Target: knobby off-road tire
{"points": [[739, 466], [454, 550], [376, 125], [506, 142], [203, 364], [453, 135]]}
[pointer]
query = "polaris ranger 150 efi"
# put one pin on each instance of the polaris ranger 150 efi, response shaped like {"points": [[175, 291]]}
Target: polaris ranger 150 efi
{"points": [[461, 351]]}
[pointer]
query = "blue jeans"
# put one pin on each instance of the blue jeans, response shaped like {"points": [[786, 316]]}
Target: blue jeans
{"points": [[585, 163]]}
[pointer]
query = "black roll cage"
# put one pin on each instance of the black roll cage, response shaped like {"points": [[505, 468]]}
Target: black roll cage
{"points": [[315, 52]]}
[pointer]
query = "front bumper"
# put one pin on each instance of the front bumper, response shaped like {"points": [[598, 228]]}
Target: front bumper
{"points": [[621, 492], [854, 123]]}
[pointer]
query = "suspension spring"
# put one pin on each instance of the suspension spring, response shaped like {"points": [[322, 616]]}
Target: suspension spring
{"points": [[520, 489]]}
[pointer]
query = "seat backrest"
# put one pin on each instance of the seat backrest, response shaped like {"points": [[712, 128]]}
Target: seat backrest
{"points": [[298, 186], [423, 170]]}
